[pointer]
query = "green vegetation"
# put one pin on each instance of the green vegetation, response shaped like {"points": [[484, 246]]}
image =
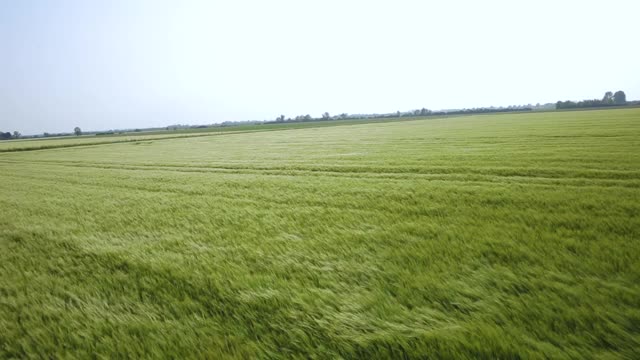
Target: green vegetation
{"points": [[113, 138], [609, 99], [487, 236]]}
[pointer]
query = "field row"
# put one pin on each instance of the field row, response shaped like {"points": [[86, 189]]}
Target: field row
{"points": [[551, 177]]}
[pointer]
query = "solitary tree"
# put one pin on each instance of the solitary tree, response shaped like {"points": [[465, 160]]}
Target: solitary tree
{"points": [[326, 116], [620, 98], [608, 97], [77, 131], [16, 135]]}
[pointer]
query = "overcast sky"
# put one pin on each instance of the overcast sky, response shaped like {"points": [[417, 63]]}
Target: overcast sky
{"points": [[125, 63]]}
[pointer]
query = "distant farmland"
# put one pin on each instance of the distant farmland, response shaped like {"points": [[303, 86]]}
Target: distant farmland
{"points": [[489, 236]]}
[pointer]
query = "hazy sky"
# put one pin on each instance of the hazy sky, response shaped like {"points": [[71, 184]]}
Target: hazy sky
{"points": [[124, 64]]}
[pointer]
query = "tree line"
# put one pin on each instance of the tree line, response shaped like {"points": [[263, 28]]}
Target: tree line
{"points": [[8, 135], [398, 114], [609, 99], [16, 134]]}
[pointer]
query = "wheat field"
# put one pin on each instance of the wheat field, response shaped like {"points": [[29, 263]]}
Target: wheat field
{"points": [[490, 236]]}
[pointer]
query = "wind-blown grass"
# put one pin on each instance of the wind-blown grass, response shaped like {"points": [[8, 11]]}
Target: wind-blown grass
{"points": [[504, 236]]}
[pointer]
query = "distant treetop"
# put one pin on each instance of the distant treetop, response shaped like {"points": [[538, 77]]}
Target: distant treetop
{"points": [[609, 99]]}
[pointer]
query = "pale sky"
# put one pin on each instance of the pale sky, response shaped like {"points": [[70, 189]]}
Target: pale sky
{"points": [[126, 64]]}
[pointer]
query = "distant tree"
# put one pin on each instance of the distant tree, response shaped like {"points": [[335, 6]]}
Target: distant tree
{"points": [[620, 98], [280, 118], [344, 116], [77, 131], [5, 135], [326, 116], [46, 134], [16, 135], [609, 99], [307, 118]]}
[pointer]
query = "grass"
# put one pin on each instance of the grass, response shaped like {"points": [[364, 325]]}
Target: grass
{"points": [[494, 236], [32, 144]]}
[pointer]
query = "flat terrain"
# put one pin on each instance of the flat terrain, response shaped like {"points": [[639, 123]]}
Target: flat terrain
{"points": [[493, 236], [89, 140]]}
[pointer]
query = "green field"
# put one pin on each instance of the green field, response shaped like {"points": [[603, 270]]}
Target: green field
{"points": [[492, 236], [90, 140]]}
